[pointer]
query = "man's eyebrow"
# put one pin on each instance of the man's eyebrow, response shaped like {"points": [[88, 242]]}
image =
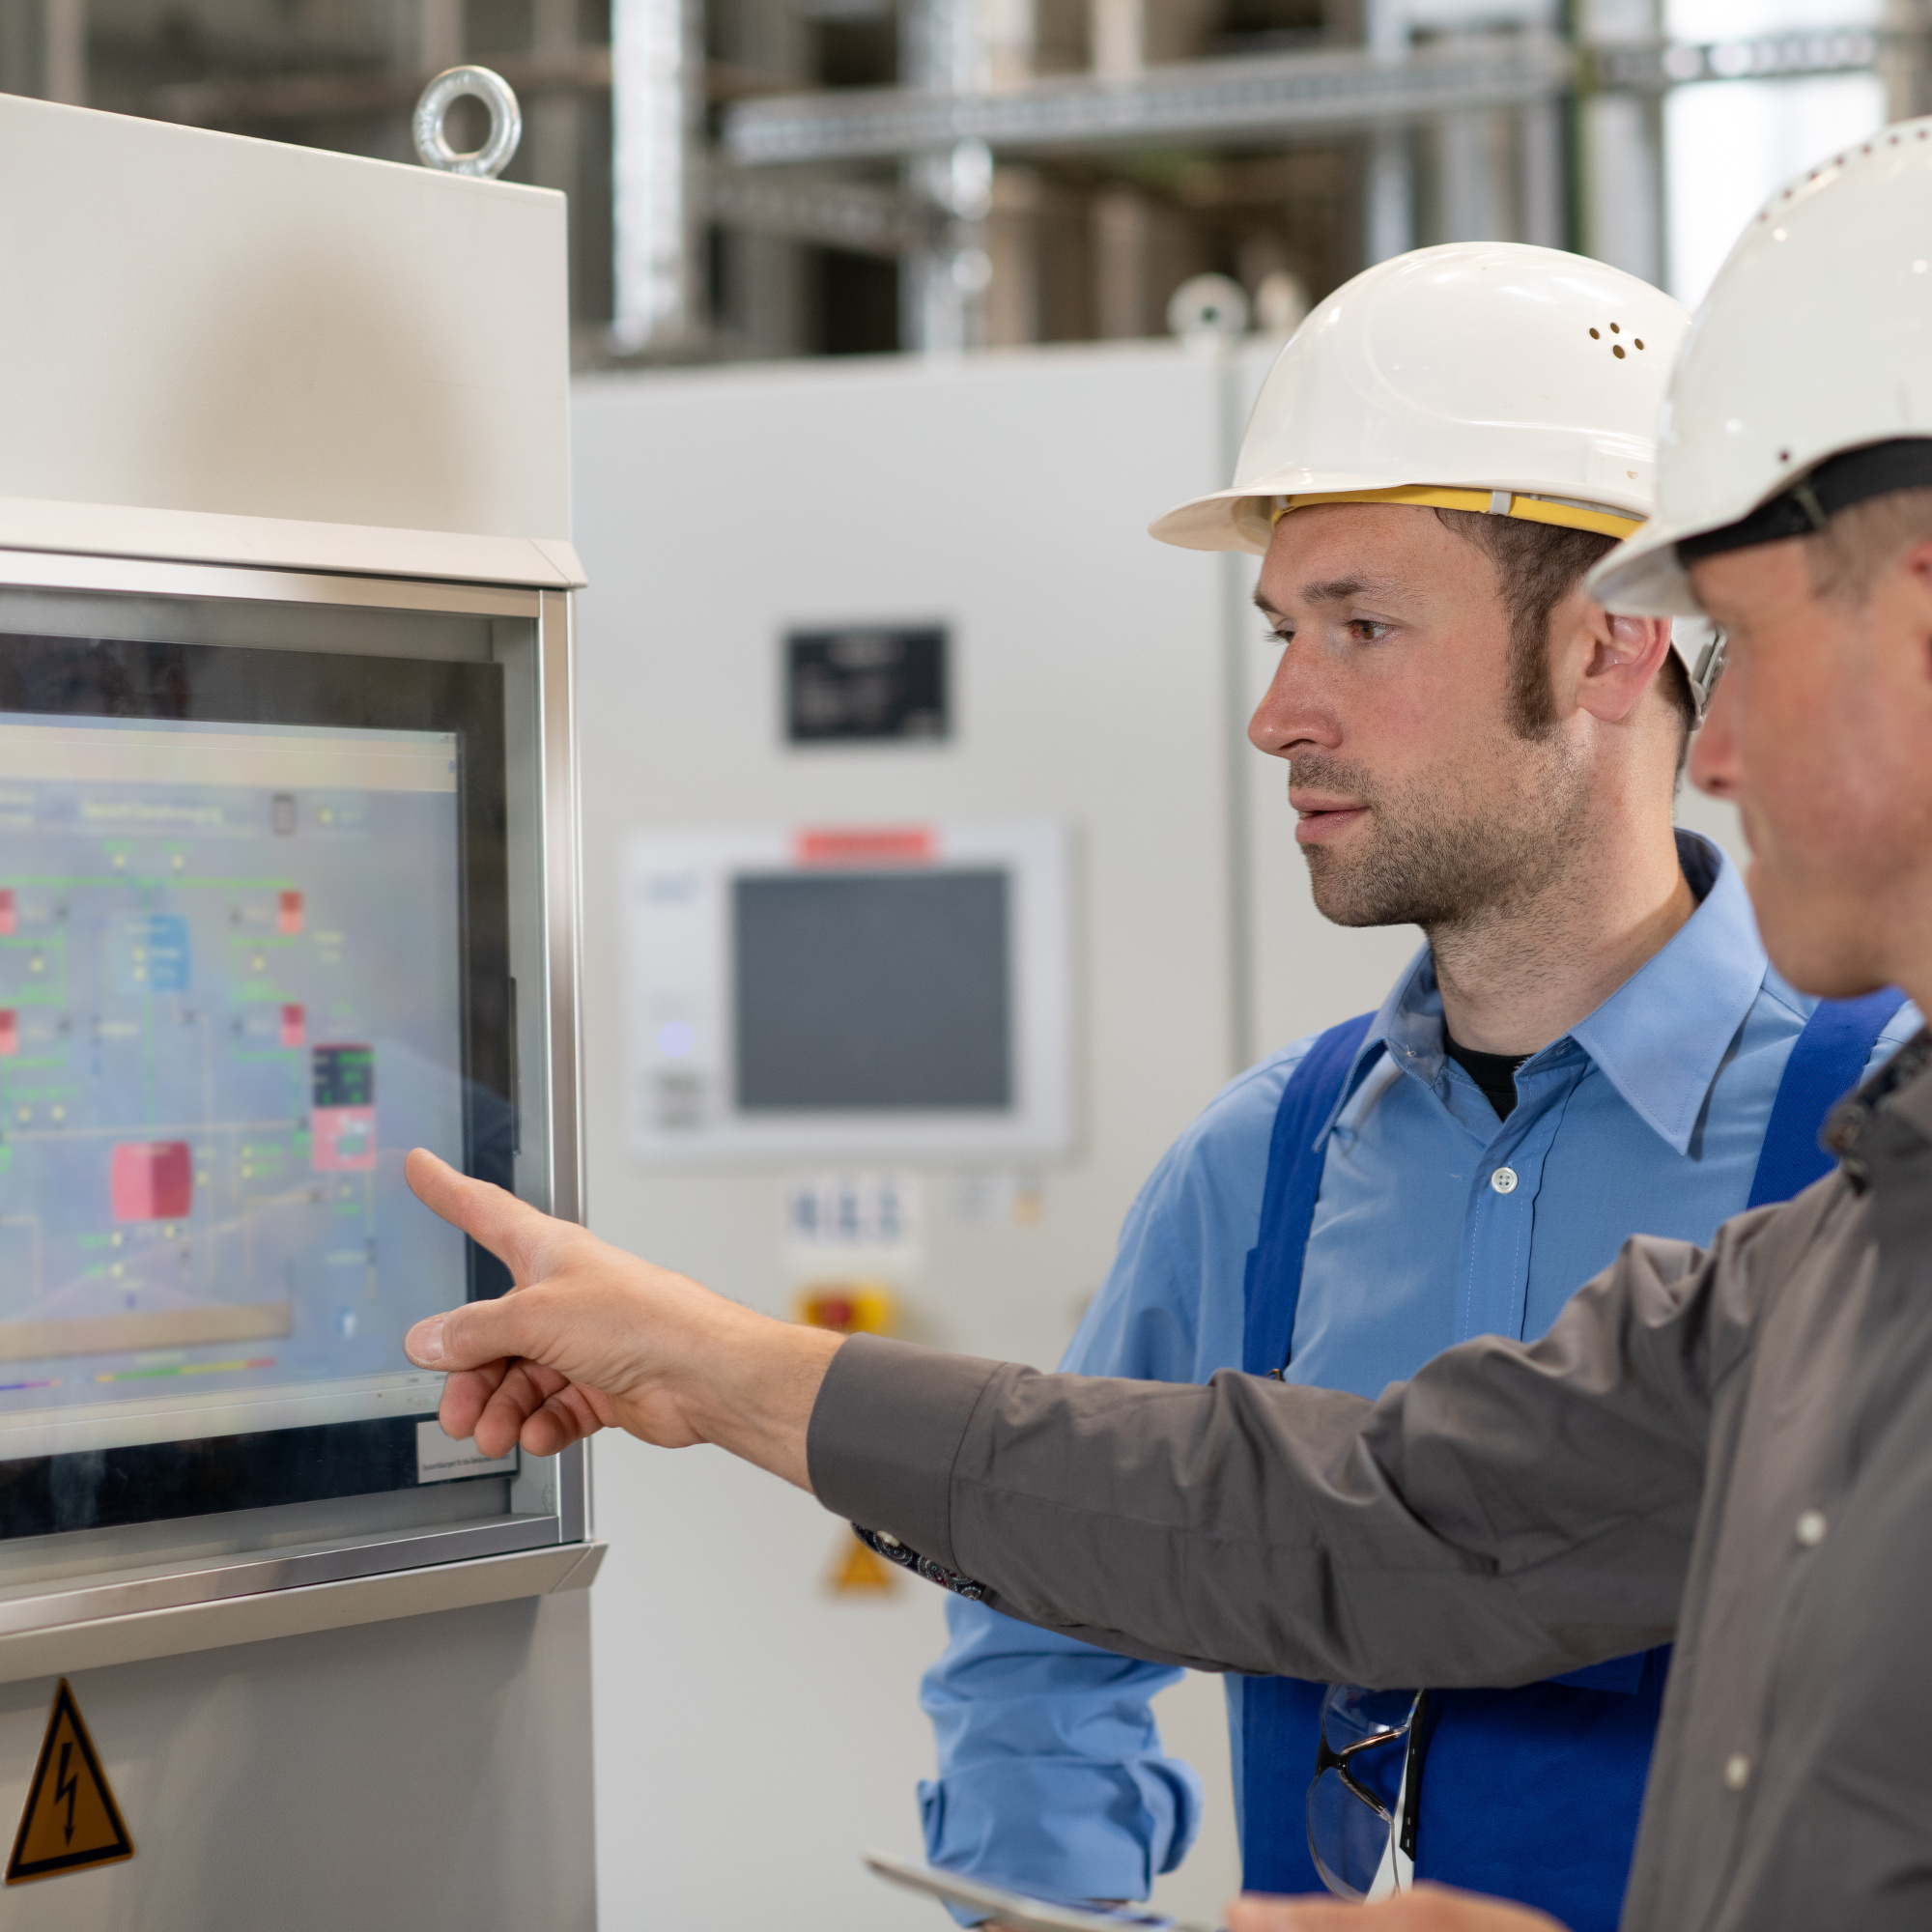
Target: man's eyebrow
{"points": [[1333, 590]]}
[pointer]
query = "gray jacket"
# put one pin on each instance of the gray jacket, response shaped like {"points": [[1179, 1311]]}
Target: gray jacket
{"points": [[1731, 1447]]}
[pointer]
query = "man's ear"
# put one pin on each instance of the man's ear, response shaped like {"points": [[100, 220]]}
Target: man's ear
{"points": [[1615, 659]]}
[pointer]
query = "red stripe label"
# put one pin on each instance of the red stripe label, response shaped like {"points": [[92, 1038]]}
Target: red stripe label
{"points": [[865, 845]]}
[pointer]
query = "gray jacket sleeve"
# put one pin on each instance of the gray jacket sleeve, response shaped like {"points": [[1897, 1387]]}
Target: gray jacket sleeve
{"points": [[1513, 1511]]}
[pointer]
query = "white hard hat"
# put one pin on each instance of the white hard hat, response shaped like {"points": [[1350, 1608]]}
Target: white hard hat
{"points": [[1806, 382], [1479, 376]]}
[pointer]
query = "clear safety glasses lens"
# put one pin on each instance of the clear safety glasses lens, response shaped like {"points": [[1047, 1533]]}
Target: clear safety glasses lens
{"points": [[1355, 1803]]}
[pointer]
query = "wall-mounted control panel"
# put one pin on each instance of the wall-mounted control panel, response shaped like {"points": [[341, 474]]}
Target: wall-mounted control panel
{"points": [[832, 990]]}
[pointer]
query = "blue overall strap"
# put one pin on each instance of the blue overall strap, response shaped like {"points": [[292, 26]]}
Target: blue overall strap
{"points": [[1280, 1717], [1271, 1291], [1828, 1060]]}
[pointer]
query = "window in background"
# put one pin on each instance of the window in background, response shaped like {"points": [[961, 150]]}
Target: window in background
{"points": [[1730, 143]]}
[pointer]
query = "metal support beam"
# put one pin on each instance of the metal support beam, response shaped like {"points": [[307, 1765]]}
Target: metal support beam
{"points": [[1204, 101], [64, 55], [324, 96], [847, 215], [657, 57], [1655, 65], [554, 117]]}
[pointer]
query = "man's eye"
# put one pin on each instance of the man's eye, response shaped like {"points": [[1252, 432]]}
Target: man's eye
{"points": [[1271, 636], [1367, 630]]}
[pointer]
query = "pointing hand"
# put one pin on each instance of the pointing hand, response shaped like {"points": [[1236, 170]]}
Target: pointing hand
{"points": [[593, 1338]]}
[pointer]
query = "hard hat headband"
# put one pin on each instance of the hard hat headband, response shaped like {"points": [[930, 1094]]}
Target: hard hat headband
{"points": [[1835, 484], [1563, 511]]}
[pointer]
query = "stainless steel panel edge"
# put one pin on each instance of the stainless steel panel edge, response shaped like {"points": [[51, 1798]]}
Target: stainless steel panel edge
{"points": [[222, 1623], [252, 1576], [563, 843], [60, 570], [540, 725]]}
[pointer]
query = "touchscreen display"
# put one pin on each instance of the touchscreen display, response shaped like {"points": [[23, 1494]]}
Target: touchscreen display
{"points": [[251, 952], [872, 990], [230, 1002]]}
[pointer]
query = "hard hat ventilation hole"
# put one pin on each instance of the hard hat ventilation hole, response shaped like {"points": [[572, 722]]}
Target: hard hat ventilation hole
{"points": [[1784, 456], [1614, 329], [1594, 336], [1617, 350], [1637, 341]]}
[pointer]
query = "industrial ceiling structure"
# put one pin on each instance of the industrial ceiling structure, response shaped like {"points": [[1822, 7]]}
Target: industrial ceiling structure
{"points": [[773, 178]]}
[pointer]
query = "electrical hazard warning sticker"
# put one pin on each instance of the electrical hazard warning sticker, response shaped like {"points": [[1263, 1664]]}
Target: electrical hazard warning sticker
{"points": [[72, 1820]]}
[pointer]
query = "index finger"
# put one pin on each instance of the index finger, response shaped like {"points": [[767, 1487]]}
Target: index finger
{"points": [[512, 1230]]}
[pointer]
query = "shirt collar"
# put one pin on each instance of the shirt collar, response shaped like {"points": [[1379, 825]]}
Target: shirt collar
{"points": [[1658, 1038]]}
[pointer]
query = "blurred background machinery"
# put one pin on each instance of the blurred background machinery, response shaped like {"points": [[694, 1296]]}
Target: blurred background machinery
{"points": [[756, 179]]}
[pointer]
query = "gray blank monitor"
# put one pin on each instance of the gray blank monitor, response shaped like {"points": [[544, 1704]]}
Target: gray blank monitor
{"points": [[859, 991]]}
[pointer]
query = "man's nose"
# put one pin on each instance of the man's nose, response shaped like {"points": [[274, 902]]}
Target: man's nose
{"points": [[1292, 713], [1714, 752]]}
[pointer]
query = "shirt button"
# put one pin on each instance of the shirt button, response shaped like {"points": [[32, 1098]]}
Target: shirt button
{"points": [[1811, 1528], [1737, 1771], [1503, 1181]]}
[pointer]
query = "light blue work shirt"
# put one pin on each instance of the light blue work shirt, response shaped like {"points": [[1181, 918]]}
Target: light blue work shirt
{"points": [[1647, 1115]]}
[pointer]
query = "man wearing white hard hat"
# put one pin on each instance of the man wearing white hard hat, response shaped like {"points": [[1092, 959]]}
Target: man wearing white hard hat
{"points": [[1728, 1445], [1591, 1044]]}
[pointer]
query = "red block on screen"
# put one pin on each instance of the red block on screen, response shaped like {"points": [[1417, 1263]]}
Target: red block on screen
{"points": [[9, 1030], [288, 914], [295, 1026], [152, 1181], [6, 911]]}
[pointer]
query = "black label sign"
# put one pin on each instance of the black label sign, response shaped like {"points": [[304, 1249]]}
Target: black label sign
{"points": [[863, 684]]}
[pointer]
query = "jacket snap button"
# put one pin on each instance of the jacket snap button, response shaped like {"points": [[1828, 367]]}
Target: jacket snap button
{"points": [[1737, 1771]]}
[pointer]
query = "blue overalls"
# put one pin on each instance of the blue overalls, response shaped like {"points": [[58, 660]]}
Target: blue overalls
{"points": [[1533, 1792]]}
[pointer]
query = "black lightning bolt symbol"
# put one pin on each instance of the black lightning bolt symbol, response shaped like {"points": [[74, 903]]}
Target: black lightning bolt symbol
{"points": [[66, 1787]]}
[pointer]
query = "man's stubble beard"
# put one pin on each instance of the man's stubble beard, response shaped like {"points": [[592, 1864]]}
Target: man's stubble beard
{"points": [[1442, 862]]}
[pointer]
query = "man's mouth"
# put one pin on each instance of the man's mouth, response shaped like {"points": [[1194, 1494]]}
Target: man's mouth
{"points": [[1319, 821]]}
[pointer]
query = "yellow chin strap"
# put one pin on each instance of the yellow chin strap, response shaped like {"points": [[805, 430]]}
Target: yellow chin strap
{"points": [[1560, 510]]}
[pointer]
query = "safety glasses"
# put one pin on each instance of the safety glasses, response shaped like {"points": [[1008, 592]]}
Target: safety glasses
{"points": [[1367, 1794]]}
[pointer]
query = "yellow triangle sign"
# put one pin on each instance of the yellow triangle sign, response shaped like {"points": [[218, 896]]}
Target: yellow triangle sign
{"points": [[72, 1820], [862, 1571]]}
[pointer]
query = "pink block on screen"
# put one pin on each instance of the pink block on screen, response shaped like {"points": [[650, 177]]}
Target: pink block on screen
{"points": [[6, 911], [288, 914], [152, 1181], [344, 1139], [9, 1030], [295, 1026]]}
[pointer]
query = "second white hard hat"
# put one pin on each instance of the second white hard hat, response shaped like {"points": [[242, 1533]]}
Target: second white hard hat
{"points": [[1805, 385], [1479, 376]]}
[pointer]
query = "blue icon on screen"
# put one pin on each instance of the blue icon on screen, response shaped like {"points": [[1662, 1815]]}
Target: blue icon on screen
{"points": [[151, 954]]}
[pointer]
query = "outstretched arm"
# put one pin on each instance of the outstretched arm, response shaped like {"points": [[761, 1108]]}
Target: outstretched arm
{"points": [[1533, 1505], [593, 1338]]}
